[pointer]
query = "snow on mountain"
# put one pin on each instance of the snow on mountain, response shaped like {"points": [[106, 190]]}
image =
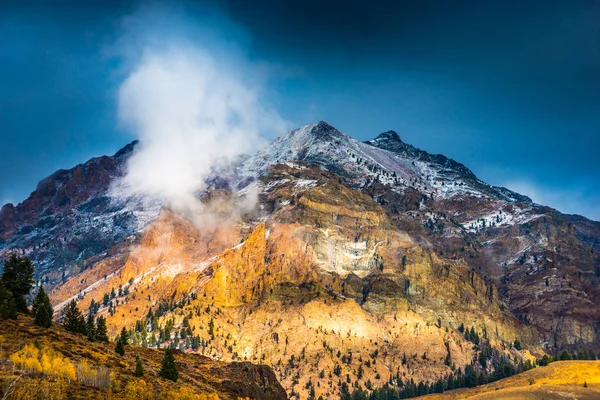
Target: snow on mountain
{"points": [[388, 161], [385, 159]]}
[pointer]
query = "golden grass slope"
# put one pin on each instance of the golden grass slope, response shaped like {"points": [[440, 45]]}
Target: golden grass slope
{"points": [[559, 380], [54, 364]]}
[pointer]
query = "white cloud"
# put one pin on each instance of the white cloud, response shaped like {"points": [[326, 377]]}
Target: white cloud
{"points": [[192, 110]]}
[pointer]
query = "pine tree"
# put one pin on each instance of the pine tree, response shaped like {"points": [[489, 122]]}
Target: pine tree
{"points": [[93, 308], [42, 309], [101, 332], [8, 308], [517, 344], [119, 348], [124, 336], [168, 369], [18, 279], [211, 328], [139, 367], [90, 327], [73, 320]]}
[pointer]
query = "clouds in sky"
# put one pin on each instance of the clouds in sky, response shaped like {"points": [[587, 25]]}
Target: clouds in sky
{"points": [[192, 110]]}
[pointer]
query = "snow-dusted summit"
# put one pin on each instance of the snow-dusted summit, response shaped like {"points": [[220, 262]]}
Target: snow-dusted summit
{"points": [[385, 159]]}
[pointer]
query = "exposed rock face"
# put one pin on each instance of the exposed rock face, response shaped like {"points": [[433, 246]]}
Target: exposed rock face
{"points": [[355, 252], [251, 381]]}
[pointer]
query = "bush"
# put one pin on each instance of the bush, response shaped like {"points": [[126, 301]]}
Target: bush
{"points": [[138, 389]]}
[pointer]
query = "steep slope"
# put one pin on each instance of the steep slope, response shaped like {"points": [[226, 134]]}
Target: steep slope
{"points": [[545, 266]]}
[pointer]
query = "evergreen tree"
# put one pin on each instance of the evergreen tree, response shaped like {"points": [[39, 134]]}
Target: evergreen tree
{"points": [[517, 344], [565, 355], [90, 328], [124, 336], [18, 279], [119, 348], [73, 320], [42, 309], [101, 332], [94, 307], [168, 369], [8, 308], [139, 367], [211, 328]]}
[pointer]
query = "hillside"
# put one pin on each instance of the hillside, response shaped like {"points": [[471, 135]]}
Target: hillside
{"points": [[559, 380], [103, 374]]}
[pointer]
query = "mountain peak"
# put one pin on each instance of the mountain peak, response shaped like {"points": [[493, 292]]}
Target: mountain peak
{"points": [[127, 149], [322, 125], [323, 129], [389, 135]]}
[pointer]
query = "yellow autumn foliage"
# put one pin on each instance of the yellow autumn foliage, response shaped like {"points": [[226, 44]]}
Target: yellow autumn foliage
{"points": [[138, 390], [185, 393], [93, 376], [44, 360], [43, 389]]}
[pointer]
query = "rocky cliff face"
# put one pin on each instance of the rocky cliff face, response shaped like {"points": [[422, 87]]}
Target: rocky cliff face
{"points": [[359, 261]]}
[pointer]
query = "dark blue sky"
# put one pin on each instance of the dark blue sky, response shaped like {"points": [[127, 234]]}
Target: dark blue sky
{"points": [[509, 88]]}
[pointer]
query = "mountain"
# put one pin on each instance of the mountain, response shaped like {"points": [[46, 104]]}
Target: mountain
{"points": [[359, 262]]}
